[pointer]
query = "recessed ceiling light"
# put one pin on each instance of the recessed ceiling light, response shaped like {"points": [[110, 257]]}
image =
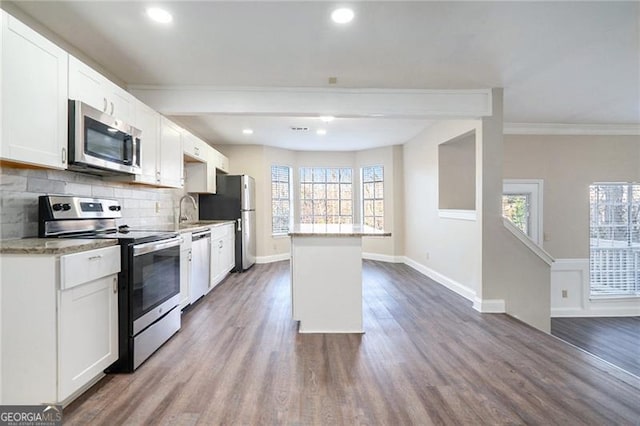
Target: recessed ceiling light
{"points": [[321, 132], [159, 15], [327, 118], [342, 15], [247, 131]]}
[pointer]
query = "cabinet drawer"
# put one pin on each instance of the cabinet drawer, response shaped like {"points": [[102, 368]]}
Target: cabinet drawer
{"points": [[79, 268]]}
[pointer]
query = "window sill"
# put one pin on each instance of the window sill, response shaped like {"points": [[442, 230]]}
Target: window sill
{"points": [[279, 236], [612, 297], [458, 214]]}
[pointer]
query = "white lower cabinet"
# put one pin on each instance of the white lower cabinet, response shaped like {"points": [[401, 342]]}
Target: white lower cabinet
{"points": [[222, 252], [59, 323]]}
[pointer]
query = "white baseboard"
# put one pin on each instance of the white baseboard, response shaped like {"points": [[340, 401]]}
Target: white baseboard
{"points": [[449, 283], [383, 257], [489, 306], [273, 258]]}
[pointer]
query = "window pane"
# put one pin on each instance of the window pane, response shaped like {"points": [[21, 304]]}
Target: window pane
{"points": [[319, 175], [368, 190], [379, 223], [367, 208], [306, 208], [333, 191], [319, 207], [379, 208], [333, 175], [280, 199], [346, 208], [306, 191], [306, 174], [515, 207], [345, 191], [333, 219], [345, 175], [379, 190], [333, 208], [319, 191], [368, 221]]}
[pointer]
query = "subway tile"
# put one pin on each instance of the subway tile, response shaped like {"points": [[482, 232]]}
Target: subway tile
{"points": [[13, 183], [122, 193], [102, 191], [45, 186], [81, 189]]}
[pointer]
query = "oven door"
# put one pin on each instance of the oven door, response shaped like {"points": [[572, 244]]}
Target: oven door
{"points": [[155, 281]]}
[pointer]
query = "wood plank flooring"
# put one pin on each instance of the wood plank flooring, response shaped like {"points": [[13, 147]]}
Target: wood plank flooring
{"points": [[614, 339], [427, 358]]}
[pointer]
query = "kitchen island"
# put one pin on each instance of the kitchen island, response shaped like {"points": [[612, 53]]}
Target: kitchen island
{"points": [[326, 276]]}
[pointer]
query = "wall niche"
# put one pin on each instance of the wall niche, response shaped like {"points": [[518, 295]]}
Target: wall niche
{"points": [[457, 173]]}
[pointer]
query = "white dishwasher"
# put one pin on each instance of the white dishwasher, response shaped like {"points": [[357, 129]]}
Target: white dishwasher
{"points": [[200, 264]]}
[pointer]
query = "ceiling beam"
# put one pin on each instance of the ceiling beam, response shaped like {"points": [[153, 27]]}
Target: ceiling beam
{"points": [[269, 101]]}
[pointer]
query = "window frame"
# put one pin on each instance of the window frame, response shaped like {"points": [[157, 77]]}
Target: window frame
{"points": [[627, 253], [289, 199], [302, 180], [363, 199]]}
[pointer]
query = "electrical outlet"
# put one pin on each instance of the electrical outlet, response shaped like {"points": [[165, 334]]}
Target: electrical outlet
{"points": [[545, 236], [564, 294], [157, 206], [427, 255]]}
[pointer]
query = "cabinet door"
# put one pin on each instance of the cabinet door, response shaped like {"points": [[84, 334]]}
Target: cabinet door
{"points": [[148, 121], [230, 251], [88, 333], [121, 103], [87, 85], [33, 93], [170, 154], [185, 277]]}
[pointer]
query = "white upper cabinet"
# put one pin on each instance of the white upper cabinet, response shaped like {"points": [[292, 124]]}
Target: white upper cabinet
{"points": [[91, 87], [171, 165], [33, 97], [195, 149], [148, 121]]}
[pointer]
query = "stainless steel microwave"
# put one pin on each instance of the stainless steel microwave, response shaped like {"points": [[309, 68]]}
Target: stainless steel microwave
{"points": [[101, 144]]}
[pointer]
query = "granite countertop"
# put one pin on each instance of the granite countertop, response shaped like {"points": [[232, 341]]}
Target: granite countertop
{"points": [[193, 226], [53, 246], [344, 230]]}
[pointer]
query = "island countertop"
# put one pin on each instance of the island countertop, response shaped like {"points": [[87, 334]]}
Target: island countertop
{"points": [[335, 230]]}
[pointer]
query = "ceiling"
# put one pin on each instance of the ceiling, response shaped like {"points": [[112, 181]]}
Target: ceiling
{"points": [[559, 62]]}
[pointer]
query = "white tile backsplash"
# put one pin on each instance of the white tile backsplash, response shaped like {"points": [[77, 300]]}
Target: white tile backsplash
{"points": [[20, 188]]}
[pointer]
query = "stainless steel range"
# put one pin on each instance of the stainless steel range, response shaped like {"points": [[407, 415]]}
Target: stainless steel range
{"points": [[149, 281]]}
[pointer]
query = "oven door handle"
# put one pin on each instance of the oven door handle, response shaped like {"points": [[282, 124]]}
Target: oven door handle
{"points": [[145, 248]]}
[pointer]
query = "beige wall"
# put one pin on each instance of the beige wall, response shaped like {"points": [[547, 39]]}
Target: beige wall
{"points": [[451, 247], [457, 173], [256, 160], [568, 165]]}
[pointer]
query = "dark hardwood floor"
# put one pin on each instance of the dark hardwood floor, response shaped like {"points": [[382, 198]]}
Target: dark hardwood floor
{"points": [[614, 339], [427, 358]]}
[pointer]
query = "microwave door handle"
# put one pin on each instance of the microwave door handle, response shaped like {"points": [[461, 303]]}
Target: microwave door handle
{"points": [[134, 151], [127, 160]]}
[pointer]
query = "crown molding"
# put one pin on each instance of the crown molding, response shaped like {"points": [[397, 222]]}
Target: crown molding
{"points": [[571, 129]]}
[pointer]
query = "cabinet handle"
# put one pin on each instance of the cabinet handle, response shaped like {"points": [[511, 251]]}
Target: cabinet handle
{"points": [[197, 151], [220, 244], [115, 285], [104, 108], [99, 256], [111, 108], [190, 255], [64, 155]]}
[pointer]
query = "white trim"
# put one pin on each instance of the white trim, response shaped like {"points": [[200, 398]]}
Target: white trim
{"points": [[573, 275], [571, 129], [458, 214], [524, 238], [443, 280], [312, 101], [489, 306], [273, 258], [383, 257]]}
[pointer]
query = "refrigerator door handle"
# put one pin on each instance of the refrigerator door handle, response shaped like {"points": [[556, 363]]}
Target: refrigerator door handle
{"points": [[239, 220]]}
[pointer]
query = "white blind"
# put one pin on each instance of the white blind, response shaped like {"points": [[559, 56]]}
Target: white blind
{"points": [[280, 199], [615, 239]]}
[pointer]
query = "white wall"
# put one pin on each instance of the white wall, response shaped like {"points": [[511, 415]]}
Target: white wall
{"points": [[448, 250]]}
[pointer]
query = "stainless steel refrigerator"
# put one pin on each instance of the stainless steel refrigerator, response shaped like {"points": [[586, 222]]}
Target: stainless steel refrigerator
{"points": [[235, 200]]}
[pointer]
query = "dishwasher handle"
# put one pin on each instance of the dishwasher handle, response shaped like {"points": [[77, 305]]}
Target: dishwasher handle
{"points": [[200, 235]]}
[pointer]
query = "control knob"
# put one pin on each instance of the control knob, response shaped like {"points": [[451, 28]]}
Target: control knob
{"points": [[114, 208], [57, 207], [66, 207]]}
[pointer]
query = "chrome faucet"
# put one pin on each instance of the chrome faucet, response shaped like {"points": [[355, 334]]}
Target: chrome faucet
{"points": [[183, 217]]}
